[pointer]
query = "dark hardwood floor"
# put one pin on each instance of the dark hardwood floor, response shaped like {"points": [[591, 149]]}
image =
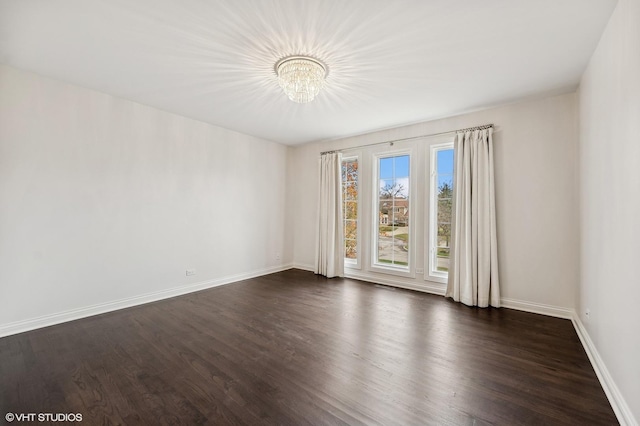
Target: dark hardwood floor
{"points": [[293, 348]]}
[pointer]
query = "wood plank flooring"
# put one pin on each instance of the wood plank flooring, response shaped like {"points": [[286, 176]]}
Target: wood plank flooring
{"points": [[293, 348]]}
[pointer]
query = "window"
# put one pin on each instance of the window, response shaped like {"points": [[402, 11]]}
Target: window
{"points": [[392, 212], [440, 210], [400, 217], [350, 208]]}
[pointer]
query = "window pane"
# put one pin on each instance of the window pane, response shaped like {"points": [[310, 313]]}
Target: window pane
{"points": [[350, 210], [386, 230], [350, 229], [442, 260], [350, 249], [445, 161], [403, 239], [386, 188], [393, 211], [386, 168], [444, 235], [350, 207], [350, 171], [350, 191], [442, 189], [385, 213], [385, 250], [401, 166], [444, 210], [445, 186]]}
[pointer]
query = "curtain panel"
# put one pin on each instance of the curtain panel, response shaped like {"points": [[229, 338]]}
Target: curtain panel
{"points": [[330, 232], [473, 272]]}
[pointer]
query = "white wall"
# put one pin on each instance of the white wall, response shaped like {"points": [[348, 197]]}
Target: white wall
{"points": [[610, 200], [103, 199], [536, 195]]}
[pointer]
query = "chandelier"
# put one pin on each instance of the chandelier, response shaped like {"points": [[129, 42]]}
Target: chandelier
{"points": [[301, 77]]}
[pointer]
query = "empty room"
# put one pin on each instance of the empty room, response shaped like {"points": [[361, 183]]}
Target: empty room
{"points": [[320, 212]]}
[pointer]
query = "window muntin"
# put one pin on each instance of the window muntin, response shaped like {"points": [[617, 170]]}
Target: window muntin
{"points": [[442, 157], [392, 212], [350, 192]]}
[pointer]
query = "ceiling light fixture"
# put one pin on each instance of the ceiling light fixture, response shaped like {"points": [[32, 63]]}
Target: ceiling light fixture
{"points": [[301, 77]]}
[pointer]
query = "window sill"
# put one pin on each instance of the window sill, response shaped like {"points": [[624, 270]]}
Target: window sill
{"points": [[381, 269], [436, 278]]}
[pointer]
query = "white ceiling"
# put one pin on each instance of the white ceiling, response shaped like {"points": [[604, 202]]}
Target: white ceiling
{"points": [[391, 62]]}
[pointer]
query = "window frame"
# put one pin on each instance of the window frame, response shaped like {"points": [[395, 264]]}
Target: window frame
{"points": [[432, 273], [348, 262], [375, 266]]}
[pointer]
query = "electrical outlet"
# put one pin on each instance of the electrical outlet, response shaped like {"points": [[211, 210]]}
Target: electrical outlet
{"points": [[277, 256], [191, 272], [587, 313], [419, 271]]}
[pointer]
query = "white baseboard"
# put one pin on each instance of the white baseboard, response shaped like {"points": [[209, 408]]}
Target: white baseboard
{"points": [[303, 266], [74, 314], [619, 405], [537, 308], [426, 287]]}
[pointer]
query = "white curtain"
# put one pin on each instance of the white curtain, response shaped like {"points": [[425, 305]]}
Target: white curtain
{"points": [[329, 236], [473, 271]]}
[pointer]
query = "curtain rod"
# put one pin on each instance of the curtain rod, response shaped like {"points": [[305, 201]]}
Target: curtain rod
{"points": [[485, 126]]}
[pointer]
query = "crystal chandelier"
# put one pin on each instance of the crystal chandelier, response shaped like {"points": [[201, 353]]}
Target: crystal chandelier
{"points": [[301, 77]]}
